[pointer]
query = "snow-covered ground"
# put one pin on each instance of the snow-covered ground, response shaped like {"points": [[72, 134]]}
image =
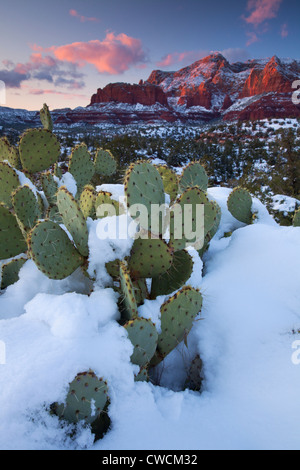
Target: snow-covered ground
{"points": [[245, 334]]}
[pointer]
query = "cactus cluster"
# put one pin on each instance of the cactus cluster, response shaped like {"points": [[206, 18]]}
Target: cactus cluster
{"points": [[43, 221]]}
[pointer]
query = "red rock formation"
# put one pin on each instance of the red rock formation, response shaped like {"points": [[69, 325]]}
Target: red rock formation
{"points": [[212, 87], [145, 94]]}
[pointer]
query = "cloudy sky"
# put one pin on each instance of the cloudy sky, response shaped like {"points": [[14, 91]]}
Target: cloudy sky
{"points": [[60, 52]]}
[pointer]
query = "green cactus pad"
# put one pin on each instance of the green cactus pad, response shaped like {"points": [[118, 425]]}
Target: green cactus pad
{"points": [[127, 289], [9, 181], [39, 149], [193, 176], [142, 376], [4, 149], [10, 272], [179, 273], [104, 198], [105, 164], [14, 158], [191, 197], [54, 215], [87, 201], [81, 166], [57, 171], [140, 290], [177, 317], [50, 187], [149, 258], [170, 181], [12, 242], [52, 251], [296, 220], [25, 206], [143, 335], [46, 119], [240, 205], [73, 219], [144, 187], [86, 400]]}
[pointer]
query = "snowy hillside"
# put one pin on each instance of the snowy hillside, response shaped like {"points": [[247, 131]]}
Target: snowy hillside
{"points": [[245, 336]]}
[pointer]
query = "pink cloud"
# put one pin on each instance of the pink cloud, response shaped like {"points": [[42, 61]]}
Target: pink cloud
{"points": [[82, 18], [252, 38], [261, 10], [284, 31], [113, 55], [179, 57]]}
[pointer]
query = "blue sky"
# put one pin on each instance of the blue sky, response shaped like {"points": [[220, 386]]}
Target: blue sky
{"points": [[60, 52]]}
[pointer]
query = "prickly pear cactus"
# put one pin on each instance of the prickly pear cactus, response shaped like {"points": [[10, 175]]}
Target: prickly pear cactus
{"points": [[81, 166], [143, 335], [177, 276], [177, 317], [193, 176], [39, 149], [49, 186], [87, 201], [296, 220], [26, 207], [46, 119], [87, 399], [240, 205], [9, 181], [12, 242], [105, 164], [103, 198], [149, 258], [4, 149], [127, 289], [144, 188], [73, 219], [191, 220], [170, 181], [52, 251], [10, 272]]}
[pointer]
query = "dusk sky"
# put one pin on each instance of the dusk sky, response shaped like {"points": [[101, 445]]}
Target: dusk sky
{"points": [[60, 52]]}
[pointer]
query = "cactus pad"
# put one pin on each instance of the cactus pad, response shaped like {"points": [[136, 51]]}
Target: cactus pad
{"points": [[103, 198], [87, 201], [4, 149], [50, 187], [25, 206], [188, 202], [144, 187], [149, 258], [105, 164], [86, 400], [39, 149], [46, 119], [240, 205], [127, 289], [193, 176], [10, 272], [73, 219], [81, 166], [170, 181], [178, 274], [9, 181], [12, 242], [52, 251], [296, 220], [177, 317], [143, 335]]}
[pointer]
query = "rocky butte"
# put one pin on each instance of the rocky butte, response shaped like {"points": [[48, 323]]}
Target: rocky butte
{"points": [[209, 89]]}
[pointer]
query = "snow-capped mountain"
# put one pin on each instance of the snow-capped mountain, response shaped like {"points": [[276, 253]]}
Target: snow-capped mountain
{"points": [[209, 89]]}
